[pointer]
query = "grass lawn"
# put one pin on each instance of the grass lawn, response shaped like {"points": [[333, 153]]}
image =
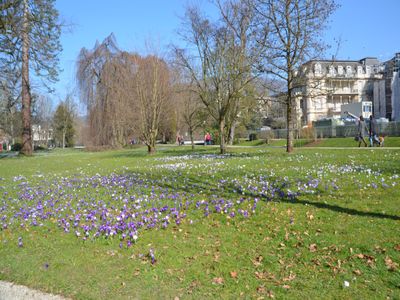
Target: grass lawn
{"points": [[349, 142], [327, 142], [256, 223]]}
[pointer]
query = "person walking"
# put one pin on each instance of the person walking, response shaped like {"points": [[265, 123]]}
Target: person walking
{"points": [[362, 131], [373, 136], [207, 139]]}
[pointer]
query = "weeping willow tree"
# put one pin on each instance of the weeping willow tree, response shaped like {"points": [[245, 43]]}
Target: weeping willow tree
{"points": [[124, 94], [103, 82]]}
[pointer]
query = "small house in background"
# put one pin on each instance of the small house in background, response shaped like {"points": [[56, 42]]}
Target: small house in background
{"points": [[41, 136]]}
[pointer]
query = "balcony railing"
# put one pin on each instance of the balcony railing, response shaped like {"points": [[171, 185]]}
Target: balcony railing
{"points": [[344, 91]]}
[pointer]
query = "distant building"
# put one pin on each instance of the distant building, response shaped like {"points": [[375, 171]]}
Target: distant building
{"points": [[42, 136], [328, 84], [387, 91]]}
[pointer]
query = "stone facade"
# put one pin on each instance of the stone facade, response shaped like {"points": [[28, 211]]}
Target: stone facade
{"points": [[327, 84], [391, 82]]}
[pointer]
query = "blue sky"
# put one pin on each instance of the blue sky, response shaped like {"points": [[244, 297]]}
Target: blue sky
{"points": [[366, 28]]}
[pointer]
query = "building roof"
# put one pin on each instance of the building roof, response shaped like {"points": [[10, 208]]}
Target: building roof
{"points": [[363, 61]]}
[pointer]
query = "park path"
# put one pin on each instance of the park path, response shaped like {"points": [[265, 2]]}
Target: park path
{"points": [[11, 291]]}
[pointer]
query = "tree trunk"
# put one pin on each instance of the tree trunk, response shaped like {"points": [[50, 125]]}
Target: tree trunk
{"points": [[63, 139], [12, 131], [151, 149], [222, 136], [25, 94], [232, 133], [151, 146], [289, 139], [191, 138]]}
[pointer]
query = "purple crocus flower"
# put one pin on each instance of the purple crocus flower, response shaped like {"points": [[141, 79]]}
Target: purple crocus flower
{"points": [[152, 257], [20, 243]]}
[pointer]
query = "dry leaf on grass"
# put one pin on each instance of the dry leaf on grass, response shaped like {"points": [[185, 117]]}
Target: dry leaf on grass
{"points": [[313, 247], [218, 280], [390, 264], [291, 277], [357, 272], [257, 261], [370, 260]]}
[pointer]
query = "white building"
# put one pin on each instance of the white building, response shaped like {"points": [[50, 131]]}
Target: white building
{"points": [[328, 84], [41, 136], [388, 89]]}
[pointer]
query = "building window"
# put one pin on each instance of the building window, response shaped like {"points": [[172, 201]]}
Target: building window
{"points": [[340, 70], [331, 71], [349, 71], [367, 108], [318, 69]]}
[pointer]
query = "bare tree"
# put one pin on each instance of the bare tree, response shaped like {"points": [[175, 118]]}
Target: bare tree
{"points": [[290, 33], [220, 65], [194, 113], [152, 90], [42, 116], [238, 17]]}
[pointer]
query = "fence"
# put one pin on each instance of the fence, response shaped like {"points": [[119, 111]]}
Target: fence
{"points": [[348, 130], [390, 129]]}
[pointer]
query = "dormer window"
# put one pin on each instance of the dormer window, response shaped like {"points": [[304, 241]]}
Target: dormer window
{"points": [[331, 70], [318, 69]]}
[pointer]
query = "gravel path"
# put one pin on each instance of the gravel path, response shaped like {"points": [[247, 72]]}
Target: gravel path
{"points": [[11, 291]]}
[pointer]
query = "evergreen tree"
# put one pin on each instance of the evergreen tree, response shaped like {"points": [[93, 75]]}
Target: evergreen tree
{"points": [[63, 125], [30, 41]]}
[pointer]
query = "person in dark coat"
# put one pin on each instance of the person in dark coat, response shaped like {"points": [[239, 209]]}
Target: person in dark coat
{"points": [[362, 131]]}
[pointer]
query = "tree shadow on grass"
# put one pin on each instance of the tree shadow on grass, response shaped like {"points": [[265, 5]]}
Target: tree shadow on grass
{"points": [[176, 151], [200, 184], [340, 209]]}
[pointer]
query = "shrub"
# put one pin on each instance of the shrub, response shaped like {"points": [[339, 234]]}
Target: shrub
{"points": [[16, 147], [308, 133], [40, 148], [267, 135], [252, 136]]}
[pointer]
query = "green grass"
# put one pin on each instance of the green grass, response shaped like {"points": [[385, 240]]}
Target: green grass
{"points": [[349, 142], [327, 142], [346, 229], [271, 143]]}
